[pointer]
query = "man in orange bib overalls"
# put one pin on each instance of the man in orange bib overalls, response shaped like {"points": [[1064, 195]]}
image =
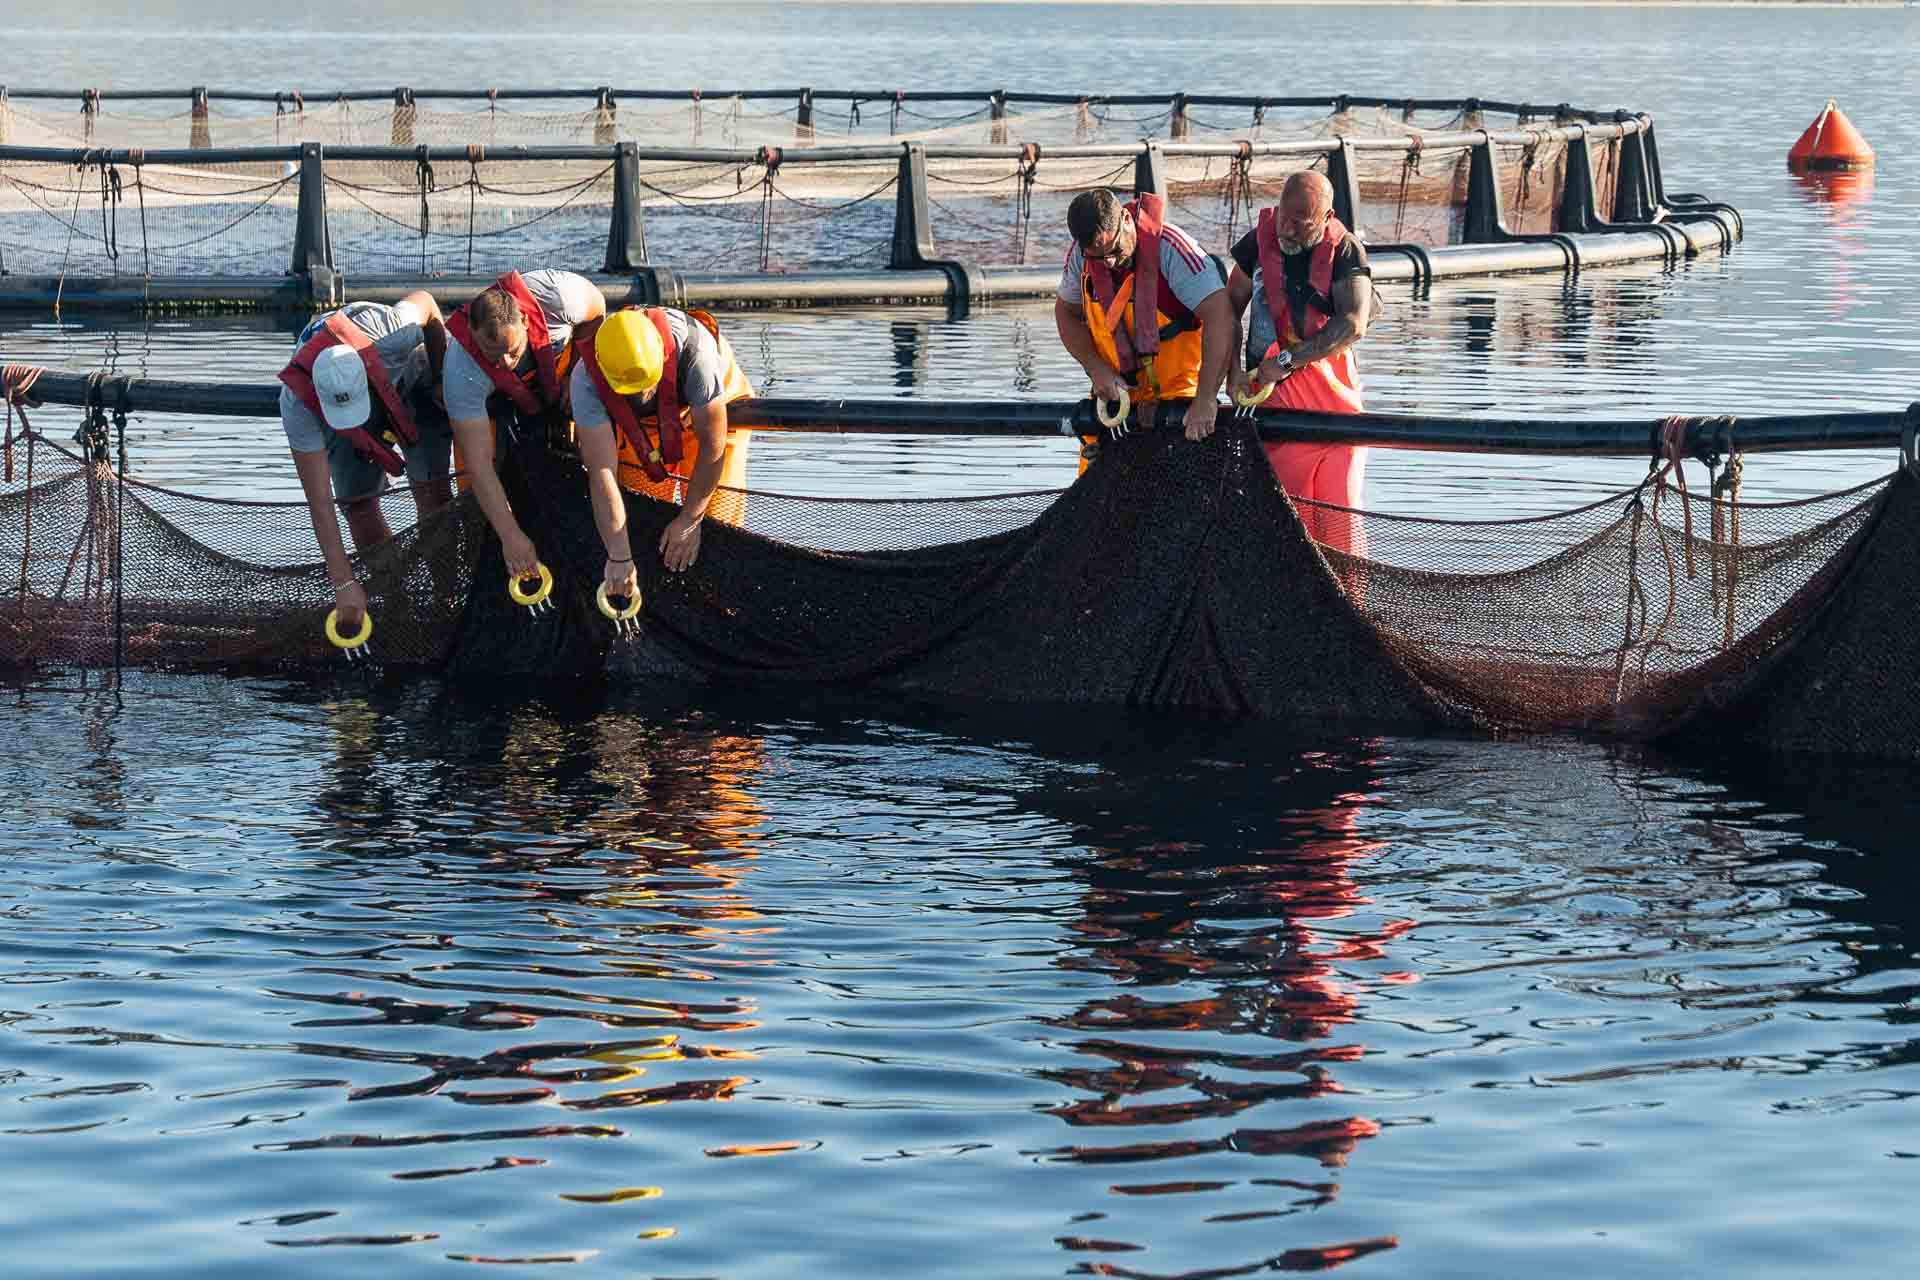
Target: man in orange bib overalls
{"points": [[1312, 293]]}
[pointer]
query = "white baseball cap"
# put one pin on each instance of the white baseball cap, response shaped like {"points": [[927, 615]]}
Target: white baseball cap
{"points": [[340, 384]]}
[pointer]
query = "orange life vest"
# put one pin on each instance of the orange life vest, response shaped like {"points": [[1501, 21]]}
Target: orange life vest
{"points": [[1158, 351], [659, 453], [544, 389], [1332, 383], [1319, 302], [401, 430]]}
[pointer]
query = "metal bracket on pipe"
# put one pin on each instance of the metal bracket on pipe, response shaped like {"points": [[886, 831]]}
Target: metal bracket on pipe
{"points": [[326, 287], [659, 287]]}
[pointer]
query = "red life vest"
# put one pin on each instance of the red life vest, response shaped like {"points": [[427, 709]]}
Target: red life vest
{"points": [[1149, 223], [546, 362], [298, 375], [627, 412], [1273, 272]]}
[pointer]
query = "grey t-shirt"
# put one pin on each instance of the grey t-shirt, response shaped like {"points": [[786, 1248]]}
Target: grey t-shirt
{"points": [[703, 361], [1188, 271], [566, 298], [396, 336]]}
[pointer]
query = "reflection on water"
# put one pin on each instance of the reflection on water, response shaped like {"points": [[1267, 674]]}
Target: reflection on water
{"points": [[1254, 945], [1836, 190], [622, 982]]}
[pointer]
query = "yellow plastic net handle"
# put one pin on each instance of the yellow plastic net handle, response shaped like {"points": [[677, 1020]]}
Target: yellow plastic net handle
{"points": [[627, 614], [338, 641], [1119, 415], [539, 593], [1257, 391]]}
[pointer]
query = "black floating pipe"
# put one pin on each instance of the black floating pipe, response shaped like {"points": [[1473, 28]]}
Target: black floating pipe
{"points": [[913, 248], [818, 155], [627, 227], [770, 94], [1343, 174], [1150, 171], [312, 245], [933, 284], [1606, 438]]}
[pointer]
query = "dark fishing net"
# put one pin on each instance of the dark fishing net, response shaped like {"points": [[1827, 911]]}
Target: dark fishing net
{"points": [[92, 563], [1171, 575]]}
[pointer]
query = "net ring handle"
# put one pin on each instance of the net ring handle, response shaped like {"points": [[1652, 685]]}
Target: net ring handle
{"points": [[338, 641], [1257, 391], [539, 593], [627, 614], [1119, 416]]}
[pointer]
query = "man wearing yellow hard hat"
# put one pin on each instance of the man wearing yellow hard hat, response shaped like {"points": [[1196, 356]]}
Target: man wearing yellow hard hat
{"points": [[650, 395]]}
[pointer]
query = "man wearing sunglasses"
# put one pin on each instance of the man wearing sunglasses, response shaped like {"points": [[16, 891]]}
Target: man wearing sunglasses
{"points": [[1178, 348]]}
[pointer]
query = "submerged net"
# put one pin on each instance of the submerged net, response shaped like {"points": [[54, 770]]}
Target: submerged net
{"points": [[493, 212], [1170, 575]]}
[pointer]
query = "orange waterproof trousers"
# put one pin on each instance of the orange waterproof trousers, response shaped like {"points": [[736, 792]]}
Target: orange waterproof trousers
{"points": [[1331, 473]]}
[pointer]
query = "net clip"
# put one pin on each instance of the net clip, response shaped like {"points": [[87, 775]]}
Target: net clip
{"points": [[92, 433]]}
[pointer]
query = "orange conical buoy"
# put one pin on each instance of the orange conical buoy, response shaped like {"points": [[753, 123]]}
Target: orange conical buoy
{"points": [[1830, 142]]}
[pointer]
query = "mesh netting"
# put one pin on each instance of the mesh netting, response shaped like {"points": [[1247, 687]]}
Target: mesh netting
{"points": [[493, 213], [413, 217], [704, 122], [1170, 575], [147, 219]]}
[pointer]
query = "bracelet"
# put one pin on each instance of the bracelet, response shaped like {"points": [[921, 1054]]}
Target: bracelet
{"points": [[619, 559], [342, 586]]}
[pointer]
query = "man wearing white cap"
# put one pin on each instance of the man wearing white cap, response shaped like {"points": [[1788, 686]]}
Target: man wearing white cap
{"points": [[358, 406]]}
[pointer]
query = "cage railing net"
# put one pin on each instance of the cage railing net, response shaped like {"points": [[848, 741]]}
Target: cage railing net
{"points": [[709, 121], [491, 213], [1170, 575]]}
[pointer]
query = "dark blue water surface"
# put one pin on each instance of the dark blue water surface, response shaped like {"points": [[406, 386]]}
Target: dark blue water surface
{"points": [[350, 979]]}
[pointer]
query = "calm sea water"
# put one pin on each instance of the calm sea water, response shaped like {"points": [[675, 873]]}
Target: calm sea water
{"points": [[347, 979]]}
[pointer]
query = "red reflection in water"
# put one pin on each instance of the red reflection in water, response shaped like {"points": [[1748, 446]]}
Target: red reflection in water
{"points": [[1321, 1258], [1270, 954], [1846, 198], [1836, 189]]}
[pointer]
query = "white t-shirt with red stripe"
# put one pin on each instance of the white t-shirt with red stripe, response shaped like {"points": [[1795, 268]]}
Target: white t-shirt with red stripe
{"points": [[1183, 265]]}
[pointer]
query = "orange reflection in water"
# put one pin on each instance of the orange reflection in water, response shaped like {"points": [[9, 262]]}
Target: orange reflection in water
{"points": [[1836, 189], [1273, 937]]}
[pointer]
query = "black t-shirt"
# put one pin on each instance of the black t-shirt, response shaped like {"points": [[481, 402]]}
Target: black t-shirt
{"points": [[1349, 260]]}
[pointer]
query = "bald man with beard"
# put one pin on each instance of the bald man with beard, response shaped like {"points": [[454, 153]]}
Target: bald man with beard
{"points": [[1311, 290]]}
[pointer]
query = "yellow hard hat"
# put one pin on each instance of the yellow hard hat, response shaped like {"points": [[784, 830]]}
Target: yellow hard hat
{"points": [[628, 350]]}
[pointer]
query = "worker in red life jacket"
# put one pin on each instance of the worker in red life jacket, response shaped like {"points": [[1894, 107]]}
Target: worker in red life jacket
{"points": [[1180, 346], [511, 350], [360, 404], [1311, 290], [650, 395]]}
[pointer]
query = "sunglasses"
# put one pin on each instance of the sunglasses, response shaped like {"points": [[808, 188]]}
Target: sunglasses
{"points": [[1117, 251]]}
